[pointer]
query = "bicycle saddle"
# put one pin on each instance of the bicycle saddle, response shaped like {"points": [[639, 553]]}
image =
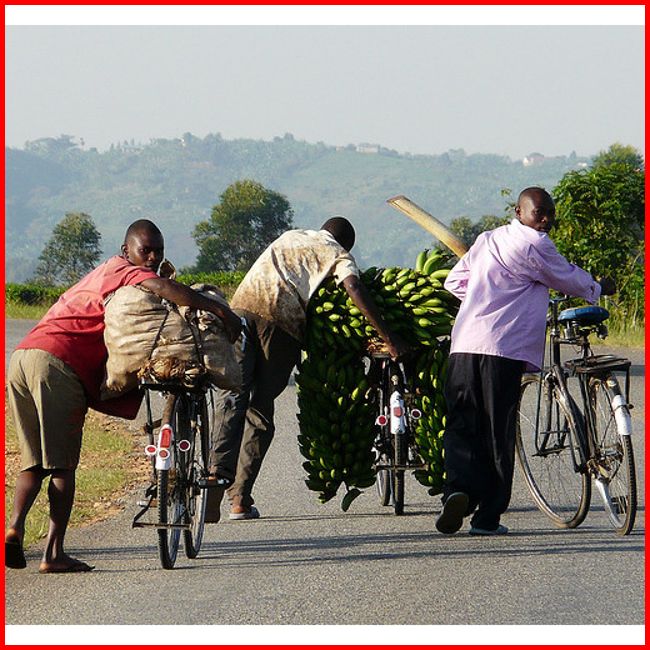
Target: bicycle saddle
{"points": [[584, 315]]}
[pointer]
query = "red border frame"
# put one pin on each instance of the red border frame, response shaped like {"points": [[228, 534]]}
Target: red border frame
{"points": [[297, 3]]}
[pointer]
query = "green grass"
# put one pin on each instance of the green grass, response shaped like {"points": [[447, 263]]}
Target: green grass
{"points": [[21, 310], [625, 337], [109, 465]]}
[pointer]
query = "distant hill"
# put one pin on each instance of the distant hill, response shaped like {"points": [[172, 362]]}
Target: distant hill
{"points": [[176, 182]]}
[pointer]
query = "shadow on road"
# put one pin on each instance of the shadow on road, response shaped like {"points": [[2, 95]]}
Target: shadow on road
{"points": [[264, 552]]}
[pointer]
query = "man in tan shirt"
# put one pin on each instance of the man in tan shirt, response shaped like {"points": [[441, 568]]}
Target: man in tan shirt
{"points": [[273, 299]]}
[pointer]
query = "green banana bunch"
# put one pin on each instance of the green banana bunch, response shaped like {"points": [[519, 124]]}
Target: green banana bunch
{"points": [[337, 406], [427, 384], [336, 417]]}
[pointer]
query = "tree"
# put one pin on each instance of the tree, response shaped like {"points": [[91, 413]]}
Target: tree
{"points": [[247, 219], [468, 231], [619, 153], [72, 251], [600, 221]]}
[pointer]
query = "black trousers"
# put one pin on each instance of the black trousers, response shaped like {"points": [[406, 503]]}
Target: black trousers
{"points": [[482, 394]]}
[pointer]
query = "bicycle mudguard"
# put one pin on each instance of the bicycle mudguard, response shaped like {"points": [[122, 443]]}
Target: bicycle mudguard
{"points": [[620, 407]]}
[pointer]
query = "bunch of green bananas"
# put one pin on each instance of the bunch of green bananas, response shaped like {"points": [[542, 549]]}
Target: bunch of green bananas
{"points": [[336, 417], [428, 382], [337, 406]]}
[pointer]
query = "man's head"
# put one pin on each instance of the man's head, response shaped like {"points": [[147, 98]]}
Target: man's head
{"points": [[144, 245], [535, 208], [342, 230]]}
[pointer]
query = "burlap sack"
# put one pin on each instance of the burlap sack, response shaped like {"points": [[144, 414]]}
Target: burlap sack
{"points": [[143, 331]]}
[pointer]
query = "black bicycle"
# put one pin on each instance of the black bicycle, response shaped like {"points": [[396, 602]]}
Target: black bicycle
{"points": [[179, 461], [394, 445], [574, 426]]}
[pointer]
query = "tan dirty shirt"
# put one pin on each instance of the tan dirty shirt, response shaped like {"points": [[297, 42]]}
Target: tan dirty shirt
{"points": [[286, 275]]}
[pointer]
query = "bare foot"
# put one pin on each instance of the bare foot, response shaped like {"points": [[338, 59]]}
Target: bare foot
{"points": [[65, 564]]}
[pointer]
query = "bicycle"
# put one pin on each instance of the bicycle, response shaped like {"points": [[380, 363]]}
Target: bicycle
{"points": [[179, 461], [574, 426], [394, 444]]}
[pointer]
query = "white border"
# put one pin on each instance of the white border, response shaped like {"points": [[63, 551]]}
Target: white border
{"points": [[608, 15], [164, 635]]}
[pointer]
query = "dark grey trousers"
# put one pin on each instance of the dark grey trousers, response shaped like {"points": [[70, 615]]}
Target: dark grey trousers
{"points": [[482, 394], [243, 425]]}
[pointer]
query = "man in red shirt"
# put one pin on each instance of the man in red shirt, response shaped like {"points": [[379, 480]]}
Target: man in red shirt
{"points": [[55, 375]]}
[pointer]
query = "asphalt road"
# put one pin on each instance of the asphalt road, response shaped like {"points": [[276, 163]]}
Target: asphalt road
{"points": [[304, 564]]}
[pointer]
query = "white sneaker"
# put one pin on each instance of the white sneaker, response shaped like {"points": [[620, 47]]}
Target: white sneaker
{"points": [[244, 513]]}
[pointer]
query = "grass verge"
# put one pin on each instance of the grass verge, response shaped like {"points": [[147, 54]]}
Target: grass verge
{"points": [[109, 467], [21, 310]]}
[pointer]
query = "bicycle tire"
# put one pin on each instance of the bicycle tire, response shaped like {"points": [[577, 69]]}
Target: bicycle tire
{"points": [[559, 491], [613, 455], [170, 499], [383, 482], [400, 452], [197, 497]]}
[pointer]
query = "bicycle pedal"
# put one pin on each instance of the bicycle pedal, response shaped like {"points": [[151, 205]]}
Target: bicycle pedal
{"points": [[208, 482]]}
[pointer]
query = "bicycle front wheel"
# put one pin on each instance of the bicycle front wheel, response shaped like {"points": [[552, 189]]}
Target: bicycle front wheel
{"points": [[171, 506], [614, 470], [197, 497], [546, 444]]}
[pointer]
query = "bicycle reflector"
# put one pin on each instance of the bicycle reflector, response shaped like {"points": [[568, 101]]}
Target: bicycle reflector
{"points": [[163, 458], [381, 420], [184, 446], [165, 436]]}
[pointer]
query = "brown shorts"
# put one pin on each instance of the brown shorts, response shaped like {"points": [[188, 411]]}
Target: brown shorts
{"points": [[49, 407]]}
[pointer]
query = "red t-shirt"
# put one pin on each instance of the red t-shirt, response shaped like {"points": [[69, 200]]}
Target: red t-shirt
{"points": [[73, 330]]}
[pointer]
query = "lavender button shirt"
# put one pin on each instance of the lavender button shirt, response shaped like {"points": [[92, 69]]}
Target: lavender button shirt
{"points": [[503, 282]]}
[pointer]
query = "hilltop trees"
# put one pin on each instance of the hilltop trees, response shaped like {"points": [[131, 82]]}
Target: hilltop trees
{"points": [[600, 223], [247, 219], [72, 251]]}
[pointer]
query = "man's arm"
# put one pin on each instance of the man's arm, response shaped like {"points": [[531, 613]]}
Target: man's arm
{"points": [[361, 298], [181, 294], [456, 281]]}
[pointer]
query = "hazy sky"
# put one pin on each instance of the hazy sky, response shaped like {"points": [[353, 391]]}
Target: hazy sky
{"points": [[424, 89]]}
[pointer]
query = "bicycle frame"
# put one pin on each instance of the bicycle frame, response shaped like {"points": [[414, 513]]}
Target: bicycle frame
{"points": [[396, 421], [159, 452], [580, 368]]}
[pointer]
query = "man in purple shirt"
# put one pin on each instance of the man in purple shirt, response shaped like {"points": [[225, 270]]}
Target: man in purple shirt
{"points": [[503, 283]]}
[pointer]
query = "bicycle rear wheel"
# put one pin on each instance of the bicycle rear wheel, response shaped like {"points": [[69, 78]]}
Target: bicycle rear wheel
{"points": [[546, 444], [171, 497], [614, 470], [397, 475], [197, 497], [383, 482]]}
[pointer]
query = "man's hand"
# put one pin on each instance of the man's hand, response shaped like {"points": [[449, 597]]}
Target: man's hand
{"points": [[607, 286], [397, 347], [181, 294]]}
